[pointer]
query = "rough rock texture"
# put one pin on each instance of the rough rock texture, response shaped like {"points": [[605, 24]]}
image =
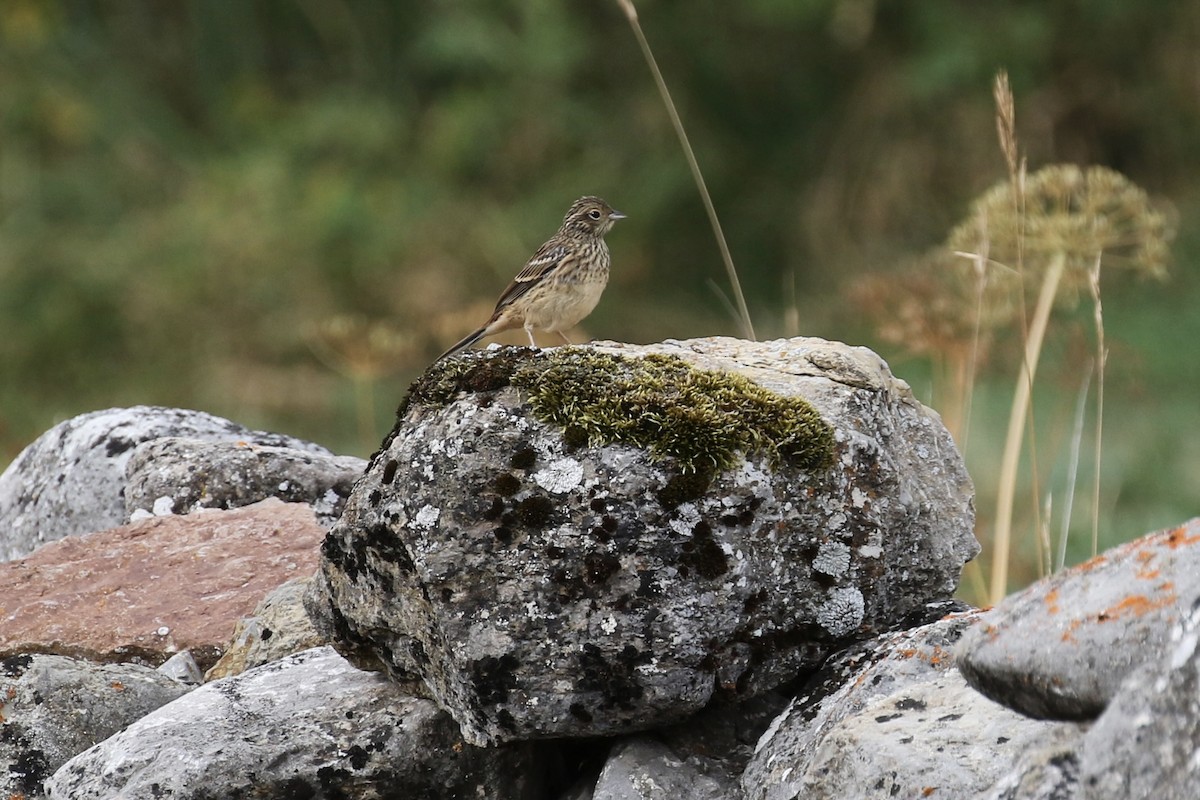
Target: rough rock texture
{"points": [[70, 480], [865, 673], [543, 584], [725, 732], [53, 707], [278, 628], [643, 769], [174, 475], [1049, 771], [309, 726], [1147, 743], [150, 589], [939, 738], [182, 667], [1061, 648]]}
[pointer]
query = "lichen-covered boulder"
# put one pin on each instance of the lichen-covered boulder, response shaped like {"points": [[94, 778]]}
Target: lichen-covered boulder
{"points": [[307, 726], [72, 478], [54, 707], [179, 475], [1060, 648], [593, 540]]}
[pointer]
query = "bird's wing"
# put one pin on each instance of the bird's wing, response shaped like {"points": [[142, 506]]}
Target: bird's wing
{"points": [[549, 256]]}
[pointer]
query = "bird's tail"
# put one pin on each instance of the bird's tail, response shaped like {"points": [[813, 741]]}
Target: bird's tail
{"points": [[463, 344]]}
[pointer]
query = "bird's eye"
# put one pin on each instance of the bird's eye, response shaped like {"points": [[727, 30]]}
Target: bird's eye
{"points": [[594, 214]]}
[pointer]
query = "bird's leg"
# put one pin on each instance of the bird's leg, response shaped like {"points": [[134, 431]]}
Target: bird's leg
{"points": [[529, 332], [565, 338]]}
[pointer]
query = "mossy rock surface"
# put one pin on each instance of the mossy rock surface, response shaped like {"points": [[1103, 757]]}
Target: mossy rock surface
{"points": [[592, 540], [702, 420]]}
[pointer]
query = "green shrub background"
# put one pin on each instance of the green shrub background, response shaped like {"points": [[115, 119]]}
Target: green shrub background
{"points": [[190, 190]]}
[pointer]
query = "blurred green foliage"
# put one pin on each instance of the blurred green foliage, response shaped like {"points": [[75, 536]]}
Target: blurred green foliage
{"points": [[189, 190]]}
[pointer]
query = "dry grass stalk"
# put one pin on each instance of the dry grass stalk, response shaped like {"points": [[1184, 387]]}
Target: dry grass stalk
{"points": [[1101, 360], [743, 313]]}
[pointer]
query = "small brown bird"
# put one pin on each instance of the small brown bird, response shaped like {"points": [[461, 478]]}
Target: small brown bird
{"points": [[561, 283]]}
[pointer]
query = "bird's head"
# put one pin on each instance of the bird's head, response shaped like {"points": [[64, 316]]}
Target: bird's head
{"points": [[591, 216]]}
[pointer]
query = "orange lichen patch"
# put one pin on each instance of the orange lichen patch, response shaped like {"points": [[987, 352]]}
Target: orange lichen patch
{"points": [[928, 790], [1092, 563], [117, 686], [1178, 537], [1136, 605], [1145, 568], [1051, 601]]}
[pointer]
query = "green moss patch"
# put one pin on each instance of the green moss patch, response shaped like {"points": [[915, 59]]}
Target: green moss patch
{"points": [[703, 420]]}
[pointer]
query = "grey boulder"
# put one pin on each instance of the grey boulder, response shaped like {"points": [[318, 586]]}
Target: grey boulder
{"points": [[1147, 742], [643, 769], [938, 738], [787, 754], [1061, 648], [71, 479], [278, 627], [593, 540], [53, 707], [310, 725], [178, 475]]}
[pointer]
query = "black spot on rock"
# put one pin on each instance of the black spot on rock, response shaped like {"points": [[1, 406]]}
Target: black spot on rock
{"points": [[599, 505], [493, 511], [506, 720], [506, 484], [374, 497], [117, 445], [266, 634], [503, 534], [600, 535], [493, 678], [754, 601], [389, 472], [535, 512], [358, 757], [580, 713], [15, 666], [387, 546], [647, 587], [524, 458], [599, 567], [685, 486], [703, 554], [574, 437], [615, 679], [609, 524], [29, 769]]}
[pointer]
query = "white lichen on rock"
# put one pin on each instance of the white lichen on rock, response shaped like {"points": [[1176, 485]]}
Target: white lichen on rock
{"points": [[833, 558], [842, 612], [560, 477]]}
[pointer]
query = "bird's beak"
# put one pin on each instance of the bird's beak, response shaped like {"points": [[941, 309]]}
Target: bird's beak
{"points": [[614, 214]]}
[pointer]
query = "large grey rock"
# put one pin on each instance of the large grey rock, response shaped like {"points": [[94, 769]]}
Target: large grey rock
{"points": [[307, 726], [643, 769], [1061, 648], [1147, 742], [544, 583], [1049, 771], [788, 752], [939, 738], [53, 707], [177, 475], [70, 480], [278, 627]]}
